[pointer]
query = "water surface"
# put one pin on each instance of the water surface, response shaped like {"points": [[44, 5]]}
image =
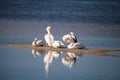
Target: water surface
{"points": [[96, 24], [27, 64]]}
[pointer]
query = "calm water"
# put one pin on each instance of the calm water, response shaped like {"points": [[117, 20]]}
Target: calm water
{"points": [[25, 64], [95, 23], [28, 64]]}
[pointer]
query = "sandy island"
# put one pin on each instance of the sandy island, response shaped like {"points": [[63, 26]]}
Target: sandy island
{"points": [[90, 51]]}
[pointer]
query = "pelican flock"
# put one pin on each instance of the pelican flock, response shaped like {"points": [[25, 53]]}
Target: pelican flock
{"points": [[70, 39]]}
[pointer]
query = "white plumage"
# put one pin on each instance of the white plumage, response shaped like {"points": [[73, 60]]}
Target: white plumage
{"points": [[49, 38], [71, 40], [67, 38], [57, 44], [37, 42], [75, 46], [73, 37]]}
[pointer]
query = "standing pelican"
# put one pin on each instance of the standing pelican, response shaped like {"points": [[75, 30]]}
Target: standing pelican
{"points": [[37, 42], [73, 37], [49, 38]]}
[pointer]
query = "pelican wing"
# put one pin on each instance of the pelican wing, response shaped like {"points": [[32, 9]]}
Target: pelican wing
{"points": [[49, 38], [39, 43]]}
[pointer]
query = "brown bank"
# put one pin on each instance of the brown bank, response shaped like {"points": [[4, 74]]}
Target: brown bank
{"points": [[90, 51]]}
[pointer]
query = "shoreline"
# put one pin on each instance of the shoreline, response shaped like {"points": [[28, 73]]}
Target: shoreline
{"points": [[90, 51]]}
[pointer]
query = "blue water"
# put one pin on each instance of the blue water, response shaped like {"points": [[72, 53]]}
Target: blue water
{"points": [[20, 64], [78, 11], [96, 24]]}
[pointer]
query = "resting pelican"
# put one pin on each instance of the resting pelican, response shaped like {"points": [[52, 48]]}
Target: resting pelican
{"points": [[37, 42], [57, 44], [73, 37], [49, 38], [68, 39], [75, 46]]}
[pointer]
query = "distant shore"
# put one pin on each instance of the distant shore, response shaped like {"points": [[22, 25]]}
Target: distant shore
{"points": [[33, 28]]}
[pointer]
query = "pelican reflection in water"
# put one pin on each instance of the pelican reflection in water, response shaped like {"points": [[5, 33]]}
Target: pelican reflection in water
{"points": [[70, 59], [36, 52], [48, 59]]}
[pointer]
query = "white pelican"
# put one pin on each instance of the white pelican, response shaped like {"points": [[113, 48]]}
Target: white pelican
{"points": [[75, 46], [37, 42], [68, 39], [73, 37], [49, 38], [57, 44]]}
